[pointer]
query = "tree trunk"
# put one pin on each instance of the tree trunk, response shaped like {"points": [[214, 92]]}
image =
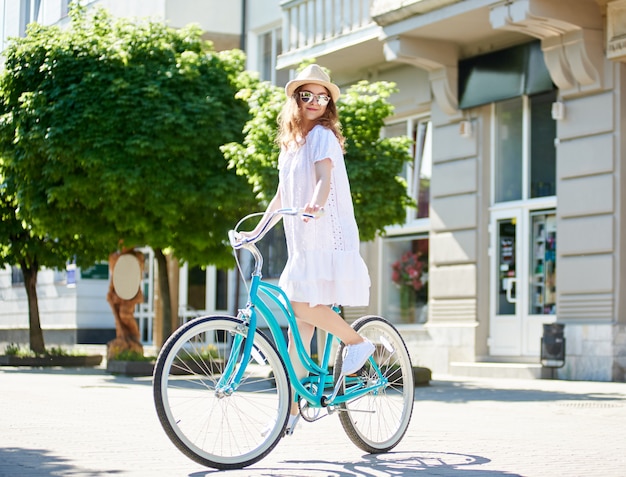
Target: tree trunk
{"points": [[35, 332], [165, 298]]}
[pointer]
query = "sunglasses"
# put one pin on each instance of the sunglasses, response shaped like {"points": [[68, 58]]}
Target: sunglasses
{"points": [[308, 97]]}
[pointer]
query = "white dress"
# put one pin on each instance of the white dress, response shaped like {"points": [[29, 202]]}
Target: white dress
{"points": [[324, 265]]}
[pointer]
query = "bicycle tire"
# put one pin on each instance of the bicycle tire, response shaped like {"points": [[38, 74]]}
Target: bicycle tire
{"points": [[377, 422], [213, 428]]}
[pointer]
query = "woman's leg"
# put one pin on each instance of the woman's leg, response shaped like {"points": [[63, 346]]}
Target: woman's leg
{"points": [[325, 318], [357, 349], [306, 331]]}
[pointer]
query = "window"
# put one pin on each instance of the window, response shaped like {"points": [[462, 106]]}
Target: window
{"points": [[17, 277], [405, 257], [418, 173], [221, 289], [197, 288], [422, 167], [270, 46], [29, 12], [542, 149], [525, 155], [508, 156], [196, 291], [405, 279]]}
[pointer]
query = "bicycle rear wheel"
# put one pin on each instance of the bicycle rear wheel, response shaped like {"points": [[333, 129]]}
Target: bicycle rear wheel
{"points": [[211, 422], [377, 421]]}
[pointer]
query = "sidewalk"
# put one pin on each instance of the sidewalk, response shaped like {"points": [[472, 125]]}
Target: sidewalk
{"points": [[89, 423]]}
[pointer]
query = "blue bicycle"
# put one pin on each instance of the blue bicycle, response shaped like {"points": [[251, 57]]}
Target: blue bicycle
{"points": [[223, 387]]}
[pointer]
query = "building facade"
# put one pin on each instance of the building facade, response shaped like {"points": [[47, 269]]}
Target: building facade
{"points": [[516, 112]]}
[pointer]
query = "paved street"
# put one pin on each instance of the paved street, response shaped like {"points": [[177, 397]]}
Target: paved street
{"points": [[89, 423]]}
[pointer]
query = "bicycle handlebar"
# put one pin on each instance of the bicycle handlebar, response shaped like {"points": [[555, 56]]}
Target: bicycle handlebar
{"points": [[237, 241]]}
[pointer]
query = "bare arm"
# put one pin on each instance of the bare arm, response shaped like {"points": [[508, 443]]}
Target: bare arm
{"points": [[268, 221], [323, 170]]}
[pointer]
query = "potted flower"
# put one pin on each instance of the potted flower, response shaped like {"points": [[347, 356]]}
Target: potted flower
{"points": [[406, 273]]}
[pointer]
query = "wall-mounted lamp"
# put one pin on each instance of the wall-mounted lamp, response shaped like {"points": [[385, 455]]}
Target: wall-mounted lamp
{"points": [[558, 111], [465, 129]]}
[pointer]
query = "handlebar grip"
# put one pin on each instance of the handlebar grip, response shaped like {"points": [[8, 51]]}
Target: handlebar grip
{"points": [[235, 239], [300, 211]]}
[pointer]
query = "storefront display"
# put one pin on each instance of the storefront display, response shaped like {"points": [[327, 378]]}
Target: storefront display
{"points": [[543, 264], [507, 294]]}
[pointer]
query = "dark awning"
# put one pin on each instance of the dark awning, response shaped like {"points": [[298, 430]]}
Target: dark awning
{"points": [[503, 75]]}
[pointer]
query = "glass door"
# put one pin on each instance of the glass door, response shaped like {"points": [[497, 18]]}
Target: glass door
{"points": [[541, 298], [505, 324], [543, 264], [523, 280]]}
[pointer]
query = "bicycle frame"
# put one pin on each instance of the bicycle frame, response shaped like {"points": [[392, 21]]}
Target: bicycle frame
{"points": [[261, 296], [223, 387], [319, 375]]}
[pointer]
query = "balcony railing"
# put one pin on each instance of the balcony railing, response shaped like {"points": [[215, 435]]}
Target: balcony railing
{"points": [[311, 22]]}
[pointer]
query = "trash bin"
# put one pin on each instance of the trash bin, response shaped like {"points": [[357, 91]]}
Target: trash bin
{"points": [[553, 345]]}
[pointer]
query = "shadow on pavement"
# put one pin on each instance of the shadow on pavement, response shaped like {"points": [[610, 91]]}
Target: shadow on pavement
{"points": [[447, 391], [107, 378], [16, 461], [391, 464], [95, 371], [468, 391]]}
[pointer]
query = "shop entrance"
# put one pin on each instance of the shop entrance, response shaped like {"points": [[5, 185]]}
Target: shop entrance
{"points": [[523, 286]]}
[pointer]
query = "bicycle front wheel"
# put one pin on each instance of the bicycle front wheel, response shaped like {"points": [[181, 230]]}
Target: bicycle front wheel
{"points": [[209, 417], [377, 421]]}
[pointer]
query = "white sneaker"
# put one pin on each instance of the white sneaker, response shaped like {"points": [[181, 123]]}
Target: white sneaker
{"points": [[355, 356]]}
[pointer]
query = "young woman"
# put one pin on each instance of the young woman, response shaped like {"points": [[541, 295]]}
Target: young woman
{"points": [[324, 266]]}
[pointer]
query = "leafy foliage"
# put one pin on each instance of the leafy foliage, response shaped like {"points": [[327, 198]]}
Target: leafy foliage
{"points": [[111, 131], [257, 157], [129, 355], [373, 163], [13, 349], [19, 243], [23, 246]]}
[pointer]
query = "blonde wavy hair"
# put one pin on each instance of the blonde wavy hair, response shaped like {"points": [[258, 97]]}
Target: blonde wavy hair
{"points": [[290, 126]]}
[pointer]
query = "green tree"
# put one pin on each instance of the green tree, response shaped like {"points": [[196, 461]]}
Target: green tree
{"points": [[374, 163], [20, 245], [111, 130]]}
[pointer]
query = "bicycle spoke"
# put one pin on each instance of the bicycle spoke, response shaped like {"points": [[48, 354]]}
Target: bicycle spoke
{"points": [[377, 421], [208, 416]]}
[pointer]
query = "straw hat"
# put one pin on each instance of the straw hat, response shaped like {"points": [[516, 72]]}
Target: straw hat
{"points": [[316, 75]]}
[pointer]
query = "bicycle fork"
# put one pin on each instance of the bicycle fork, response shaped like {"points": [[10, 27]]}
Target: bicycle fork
{"points": [[241, 349]]}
